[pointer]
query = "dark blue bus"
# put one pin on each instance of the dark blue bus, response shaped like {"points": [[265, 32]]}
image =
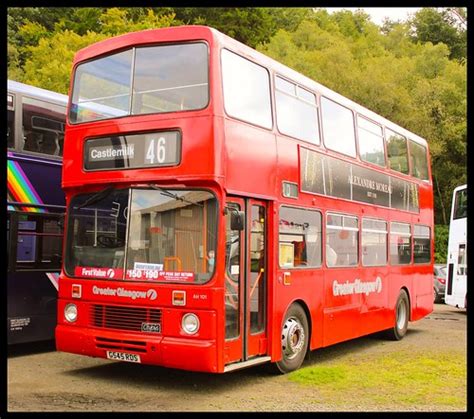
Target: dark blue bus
{"points": [[35, 210]]}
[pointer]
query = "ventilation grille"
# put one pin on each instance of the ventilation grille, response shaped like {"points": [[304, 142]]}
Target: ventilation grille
{"points": [[123, 317], [120, 345]]}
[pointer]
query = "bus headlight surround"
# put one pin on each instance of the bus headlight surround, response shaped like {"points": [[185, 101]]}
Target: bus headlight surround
{"points": [[190, 323], [70, 313]]}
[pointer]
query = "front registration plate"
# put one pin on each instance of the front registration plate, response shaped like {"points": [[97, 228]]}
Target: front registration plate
{"points": [[122, 356]]}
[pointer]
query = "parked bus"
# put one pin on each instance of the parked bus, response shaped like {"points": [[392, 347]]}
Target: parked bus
{"points": [[35, 207], [226, 211], [456, 286]]}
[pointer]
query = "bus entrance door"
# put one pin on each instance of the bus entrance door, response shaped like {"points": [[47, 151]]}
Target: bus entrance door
{"points": [[245, 279]]}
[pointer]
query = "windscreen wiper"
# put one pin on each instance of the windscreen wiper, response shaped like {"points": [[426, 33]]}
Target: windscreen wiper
{"points": [[98, 195], [166, 192]]}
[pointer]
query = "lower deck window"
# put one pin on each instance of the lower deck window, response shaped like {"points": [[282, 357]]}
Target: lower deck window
{"points": [[34, 241], [374, 242], [421, 244], [342, 240], [300, 238], [400, 244]]}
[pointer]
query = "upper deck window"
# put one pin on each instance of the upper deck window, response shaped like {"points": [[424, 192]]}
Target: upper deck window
{"points": [[418, 160], [397, 151], [371, 147], [246, 88], [43, 126], [157, 79], [460, 204], [11, 122], [296, 111], [338, 127]]}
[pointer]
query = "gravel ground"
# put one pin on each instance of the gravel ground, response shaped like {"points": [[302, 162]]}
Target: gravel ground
{"points": [[40, 379]]}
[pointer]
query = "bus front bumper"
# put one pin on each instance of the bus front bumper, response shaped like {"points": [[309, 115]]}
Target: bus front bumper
{"points": [[171, 352]]}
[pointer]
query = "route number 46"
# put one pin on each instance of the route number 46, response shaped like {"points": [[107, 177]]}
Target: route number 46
{"points": [[156, 152]]}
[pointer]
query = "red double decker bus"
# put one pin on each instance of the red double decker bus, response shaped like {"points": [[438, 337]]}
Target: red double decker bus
{"points": [[224, 210]]}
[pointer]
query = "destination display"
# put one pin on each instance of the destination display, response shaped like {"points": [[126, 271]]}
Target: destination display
{"points": [[133, 151], [325, 175]]}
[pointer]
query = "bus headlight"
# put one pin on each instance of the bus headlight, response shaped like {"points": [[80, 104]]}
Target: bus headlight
{"points": [[70, 313], [190, 323]]}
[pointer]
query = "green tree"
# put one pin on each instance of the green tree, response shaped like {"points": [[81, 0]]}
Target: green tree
{"points": [[431, 25], [45, 59], [413, 73], [249, 25], [116, 21], [441, 236], [50, 62], [81, 20], [288, 18], [13, 53], [414, 84]]}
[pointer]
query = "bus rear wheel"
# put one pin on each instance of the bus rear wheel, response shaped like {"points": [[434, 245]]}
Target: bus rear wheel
{"points": [[294, 340], [402, 314]]}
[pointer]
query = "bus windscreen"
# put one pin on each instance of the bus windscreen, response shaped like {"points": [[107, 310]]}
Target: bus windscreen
{"points": [[143, 80], [143, 234]]}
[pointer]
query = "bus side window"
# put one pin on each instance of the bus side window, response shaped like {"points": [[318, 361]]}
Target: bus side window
{"points": [[30, 142], [374, 242], [418, 160], [43, 127], [400, 244], [300, 238], [462, 266], [371, 144], [421, 244], [460, 204], [342, 236], [338, 127], [397, 151], [39, 242], [11, 123]]}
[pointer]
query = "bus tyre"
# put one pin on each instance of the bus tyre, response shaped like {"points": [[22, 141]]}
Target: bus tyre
{"points": [[294, 340], [402, 313]]}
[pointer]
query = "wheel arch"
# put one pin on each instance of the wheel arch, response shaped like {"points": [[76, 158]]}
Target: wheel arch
{"points": [[409, 301]]}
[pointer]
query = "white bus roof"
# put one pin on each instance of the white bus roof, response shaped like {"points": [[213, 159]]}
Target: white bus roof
{"points": [[37, 92], [460, 187]]}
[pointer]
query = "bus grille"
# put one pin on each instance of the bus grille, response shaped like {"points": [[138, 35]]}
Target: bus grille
{"points": [[120, 345], [123, 317]]}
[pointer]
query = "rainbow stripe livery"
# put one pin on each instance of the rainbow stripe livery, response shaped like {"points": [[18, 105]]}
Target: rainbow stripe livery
{"points": [[20, 188]]}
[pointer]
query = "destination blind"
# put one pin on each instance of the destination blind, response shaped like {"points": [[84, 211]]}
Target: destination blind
{"points": [[133, 151]]}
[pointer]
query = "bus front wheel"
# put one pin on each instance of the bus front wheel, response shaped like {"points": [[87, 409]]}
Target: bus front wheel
{"points": [[402, 314], [294, 339]]}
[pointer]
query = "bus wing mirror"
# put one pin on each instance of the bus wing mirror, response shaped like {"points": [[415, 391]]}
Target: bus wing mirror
{"points": [[237, 220]]}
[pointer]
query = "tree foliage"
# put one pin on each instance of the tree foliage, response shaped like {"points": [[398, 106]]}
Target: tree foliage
{"points": [[441, 235], [44, 57], [413, 73], [430, 25], [415, 84]]}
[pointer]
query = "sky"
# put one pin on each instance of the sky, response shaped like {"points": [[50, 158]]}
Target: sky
{"points": [[378, 14]]}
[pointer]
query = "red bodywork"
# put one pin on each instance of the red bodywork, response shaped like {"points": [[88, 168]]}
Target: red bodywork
{"points": [[230, 157]]}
